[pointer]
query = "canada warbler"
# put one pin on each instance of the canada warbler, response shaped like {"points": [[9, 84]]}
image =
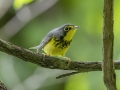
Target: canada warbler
{"points": [[57, 41]]}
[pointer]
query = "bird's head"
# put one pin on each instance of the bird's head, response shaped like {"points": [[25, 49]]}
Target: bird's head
{"points": [[68, 30]]}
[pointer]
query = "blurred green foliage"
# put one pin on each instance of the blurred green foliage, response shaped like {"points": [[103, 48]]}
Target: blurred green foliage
{"points": [[86, 45]]}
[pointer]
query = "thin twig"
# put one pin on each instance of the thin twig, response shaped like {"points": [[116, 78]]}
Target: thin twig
{"points": [[67, 74]]}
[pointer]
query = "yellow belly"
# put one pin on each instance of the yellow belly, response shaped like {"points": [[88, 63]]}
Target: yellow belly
{"points": [[52, 50]]}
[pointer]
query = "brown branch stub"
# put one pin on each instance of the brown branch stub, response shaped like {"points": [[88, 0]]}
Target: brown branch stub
{"points": [[108, 43]]}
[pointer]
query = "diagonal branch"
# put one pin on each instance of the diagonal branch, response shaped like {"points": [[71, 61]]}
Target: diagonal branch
{"points": [[50, 62], [23, 16]]}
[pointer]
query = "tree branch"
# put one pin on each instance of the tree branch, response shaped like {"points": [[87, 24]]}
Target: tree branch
{"points": [[23, 16], [48, 61], [109, 76]]}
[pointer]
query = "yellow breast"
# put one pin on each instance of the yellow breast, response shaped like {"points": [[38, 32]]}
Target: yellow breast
{"points": [[59, 47], [54, 49], [70, 34]]}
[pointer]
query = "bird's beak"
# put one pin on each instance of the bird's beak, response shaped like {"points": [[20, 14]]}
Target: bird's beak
{"points": [[76, 27]]}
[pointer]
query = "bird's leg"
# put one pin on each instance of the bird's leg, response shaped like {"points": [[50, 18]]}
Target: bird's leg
{"points": [[37, 51], [44, 54]]}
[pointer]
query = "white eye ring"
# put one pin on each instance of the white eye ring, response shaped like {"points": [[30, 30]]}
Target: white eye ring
{"points": [[67, 28]]}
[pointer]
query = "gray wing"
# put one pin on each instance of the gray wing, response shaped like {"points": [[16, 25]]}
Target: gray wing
{"points": [[45, 40]]}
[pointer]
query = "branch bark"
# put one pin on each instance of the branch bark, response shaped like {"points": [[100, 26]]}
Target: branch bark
{"points": [[2, 86], [108, 43], [50, 62]]}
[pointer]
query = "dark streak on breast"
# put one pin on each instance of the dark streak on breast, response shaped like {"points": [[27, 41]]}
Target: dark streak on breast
{"points": [[61, 43]]}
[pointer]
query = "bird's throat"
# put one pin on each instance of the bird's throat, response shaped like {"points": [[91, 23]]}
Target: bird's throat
{"points": [[69, 35]]}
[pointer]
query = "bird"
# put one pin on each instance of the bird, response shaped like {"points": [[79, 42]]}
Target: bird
{"points": [[57, 41]]}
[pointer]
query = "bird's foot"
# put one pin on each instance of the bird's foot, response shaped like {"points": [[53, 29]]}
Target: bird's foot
{"points": [[44, 56], [64, 58], [67, 60]]}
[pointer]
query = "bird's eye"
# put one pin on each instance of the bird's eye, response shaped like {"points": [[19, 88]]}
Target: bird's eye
{"points": [[67, 28]]}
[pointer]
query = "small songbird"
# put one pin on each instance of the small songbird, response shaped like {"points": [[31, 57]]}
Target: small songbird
{"points": [[57, 41]]}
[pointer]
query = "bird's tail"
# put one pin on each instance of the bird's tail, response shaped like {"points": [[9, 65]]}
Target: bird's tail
{"points": [[36, 47]]}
